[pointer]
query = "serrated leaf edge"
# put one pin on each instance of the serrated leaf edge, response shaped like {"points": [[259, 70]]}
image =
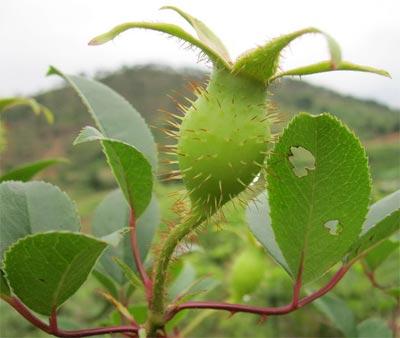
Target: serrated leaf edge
{"points": [[73, 203], [10, 248], [55, 71]]}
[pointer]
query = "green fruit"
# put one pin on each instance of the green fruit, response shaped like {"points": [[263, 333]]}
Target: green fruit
{"points": [[247, 273], [224, 135], [222, 140]]}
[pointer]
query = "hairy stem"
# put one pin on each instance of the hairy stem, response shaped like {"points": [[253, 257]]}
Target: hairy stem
{"points": [[136, 255], [55, 331], [157, 306]]}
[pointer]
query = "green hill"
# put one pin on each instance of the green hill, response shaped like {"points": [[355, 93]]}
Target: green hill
{"points": [[151, 88]]}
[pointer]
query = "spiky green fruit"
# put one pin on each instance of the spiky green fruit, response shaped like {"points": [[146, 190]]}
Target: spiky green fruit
{"points": [[224, 135], [223, 139]]}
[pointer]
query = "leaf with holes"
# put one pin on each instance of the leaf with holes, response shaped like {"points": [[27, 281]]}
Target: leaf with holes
{"points": [[27, 171], [383, 220], [130, 168], [316, 217], [31, 207], [113, 214], [46, 269], [113, 115]]}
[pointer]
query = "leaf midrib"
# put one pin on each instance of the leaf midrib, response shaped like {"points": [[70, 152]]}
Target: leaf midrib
{"points": [[312, 201]]}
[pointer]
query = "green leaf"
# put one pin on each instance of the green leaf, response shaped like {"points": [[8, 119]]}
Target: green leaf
{"points": [[4, 287], [259, 222], [395, 292], [379, 254], [130, 168], [31, 207], [106, 282], [46, 269], [129, 273], [139, 312], [383, 220], [37, 108], [205, 34], [338, 313], [186, 286], [115, 237], [113, 214], [374, 328], [113, 115], [318, 216], [380, 210], [184, 280], [326, 66], [261, 63], [167, 28], [27, 171]]}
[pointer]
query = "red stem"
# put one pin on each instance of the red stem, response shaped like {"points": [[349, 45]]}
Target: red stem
{"points": [[371, 276], [328, 287], [53, 330], [27, 314], [53, 321], [136, 254], [96, 331], [264, 311]]}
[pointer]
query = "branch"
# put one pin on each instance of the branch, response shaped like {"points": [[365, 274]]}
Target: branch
{"points": [[371, 277], [328, 287], [263, 311], [136, 254], [55, 331], [27, 314]]}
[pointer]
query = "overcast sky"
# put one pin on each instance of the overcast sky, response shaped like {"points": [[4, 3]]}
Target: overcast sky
{"points": [[37, 33]]}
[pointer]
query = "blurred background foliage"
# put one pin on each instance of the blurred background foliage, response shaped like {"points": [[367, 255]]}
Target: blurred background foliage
{"points": [[153, 89]]}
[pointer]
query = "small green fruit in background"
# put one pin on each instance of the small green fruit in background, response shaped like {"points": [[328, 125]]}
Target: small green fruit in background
{"points": [[247, 273]]}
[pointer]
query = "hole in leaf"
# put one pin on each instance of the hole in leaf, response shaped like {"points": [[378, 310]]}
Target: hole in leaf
{"points": [[302, 161], [334, 227], [42, 280]]}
